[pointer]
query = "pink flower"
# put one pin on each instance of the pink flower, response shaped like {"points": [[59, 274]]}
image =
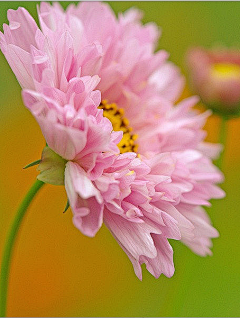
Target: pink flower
{"points": [[93, 83], [215, 76]]}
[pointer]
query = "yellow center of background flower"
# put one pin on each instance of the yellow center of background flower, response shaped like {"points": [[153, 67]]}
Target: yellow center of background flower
{"points": [[225, 70], [119, 122]]}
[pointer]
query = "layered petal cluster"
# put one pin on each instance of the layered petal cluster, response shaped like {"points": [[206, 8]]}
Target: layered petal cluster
{"points": [[123, 196], [67, 67]]}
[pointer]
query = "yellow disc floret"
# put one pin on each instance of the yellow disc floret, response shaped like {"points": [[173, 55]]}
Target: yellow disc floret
{"points": [[119, 122], [225, 70]]}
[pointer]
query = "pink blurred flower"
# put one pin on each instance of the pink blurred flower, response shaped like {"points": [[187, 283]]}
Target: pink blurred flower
{"points": [[81, 74], [215, 76]]}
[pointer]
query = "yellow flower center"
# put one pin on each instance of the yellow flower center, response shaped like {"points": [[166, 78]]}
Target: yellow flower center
{"points": [[225, 71], [119, 122]]}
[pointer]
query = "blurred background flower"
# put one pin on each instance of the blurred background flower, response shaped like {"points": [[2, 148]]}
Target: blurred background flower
{"points": [[215, 76], [55, 270]]}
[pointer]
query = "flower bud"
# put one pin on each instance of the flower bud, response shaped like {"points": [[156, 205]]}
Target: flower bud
{"points": [[215, 77]]}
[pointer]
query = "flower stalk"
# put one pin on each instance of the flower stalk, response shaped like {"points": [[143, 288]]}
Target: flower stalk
{"points": [[8, 252]]}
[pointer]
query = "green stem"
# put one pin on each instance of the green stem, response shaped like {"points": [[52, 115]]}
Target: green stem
{"points": [[222, 140], [7, 254]]}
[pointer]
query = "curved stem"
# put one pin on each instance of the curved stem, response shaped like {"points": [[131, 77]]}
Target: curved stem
{"points": [[222, 140], [7, 254]]}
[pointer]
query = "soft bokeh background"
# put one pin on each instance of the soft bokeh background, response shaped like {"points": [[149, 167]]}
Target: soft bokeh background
{"points": [[56, 271]]}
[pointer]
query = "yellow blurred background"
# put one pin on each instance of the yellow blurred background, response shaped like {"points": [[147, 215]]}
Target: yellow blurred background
{"points": [[56, 271]]}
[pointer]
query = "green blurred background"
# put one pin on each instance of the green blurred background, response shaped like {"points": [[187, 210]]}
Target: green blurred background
{"points": [[57, 271]]}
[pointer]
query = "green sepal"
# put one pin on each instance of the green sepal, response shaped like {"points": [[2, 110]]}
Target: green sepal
{"points": [[34, 163], [51, 167], [67, 206]]}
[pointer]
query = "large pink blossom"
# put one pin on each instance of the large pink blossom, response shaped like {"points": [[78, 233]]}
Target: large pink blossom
{"points": [[78, 59]]}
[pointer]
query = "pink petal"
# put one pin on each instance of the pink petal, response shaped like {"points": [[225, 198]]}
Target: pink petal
{"points": [[22, 28], [163, 262], [135, 237], [84, 199], [65, 141]]}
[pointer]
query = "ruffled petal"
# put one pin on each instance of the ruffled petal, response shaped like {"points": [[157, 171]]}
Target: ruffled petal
{"points": [[85, 200]]}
